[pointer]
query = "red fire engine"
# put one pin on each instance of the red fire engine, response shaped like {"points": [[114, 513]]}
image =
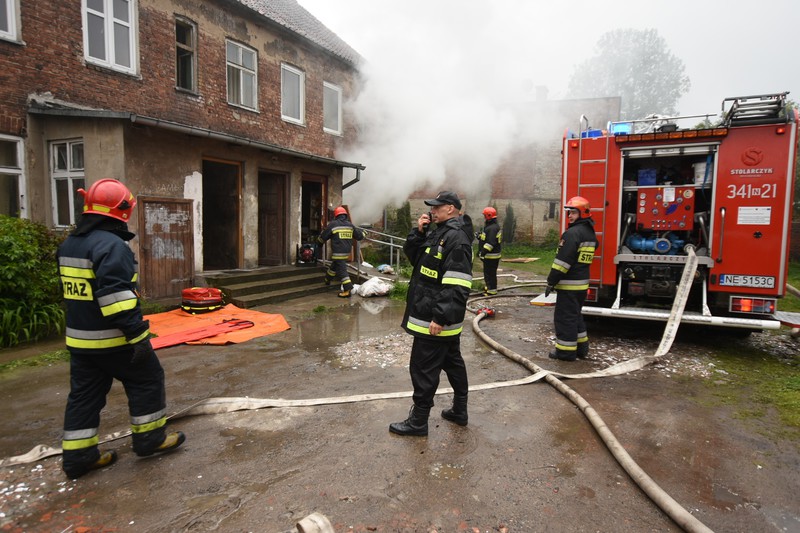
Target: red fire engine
{"points": [[661, 186]]}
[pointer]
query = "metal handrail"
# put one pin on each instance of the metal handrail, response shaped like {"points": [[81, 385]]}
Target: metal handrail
{"points": [[394, 256]]}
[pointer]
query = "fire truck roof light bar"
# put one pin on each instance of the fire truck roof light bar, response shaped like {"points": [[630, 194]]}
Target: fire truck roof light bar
{"points": [[671, 135]]}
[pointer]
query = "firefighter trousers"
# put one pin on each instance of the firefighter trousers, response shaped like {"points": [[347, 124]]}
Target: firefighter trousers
{"points": [[428, 359], [490, 274], [569, 324], [338, 269], [91, 377]]}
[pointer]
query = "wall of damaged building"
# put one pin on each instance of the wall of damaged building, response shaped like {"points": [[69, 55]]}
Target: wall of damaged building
{"points": [[529, 178]]}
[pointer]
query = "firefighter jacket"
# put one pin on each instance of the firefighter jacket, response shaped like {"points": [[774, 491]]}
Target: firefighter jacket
{"points": [[570, 269], [441, 280], [341, 233], [98, 274], [490, 240]]}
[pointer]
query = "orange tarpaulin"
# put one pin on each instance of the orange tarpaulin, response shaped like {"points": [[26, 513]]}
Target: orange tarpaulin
{"points": [[179, 321]]}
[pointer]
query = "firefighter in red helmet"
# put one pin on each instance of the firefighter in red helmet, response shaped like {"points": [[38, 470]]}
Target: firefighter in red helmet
{"points": [[569, 276], [107, 337], [490, 241], [341, 233]]}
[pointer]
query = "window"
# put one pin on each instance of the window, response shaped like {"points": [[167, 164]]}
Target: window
{"points": [[241, 75], [12, 184], [8, 19], [109, 33], [186, 58], [293, 94], [66, 168], [551, 212], [332, 108]]}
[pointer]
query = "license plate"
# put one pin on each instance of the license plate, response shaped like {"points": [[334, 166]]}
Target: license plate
{"points": [[741, 280]]}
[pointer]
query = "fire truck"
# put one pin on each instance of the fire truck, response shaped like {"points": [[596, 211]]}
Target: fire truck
{"points": [[664, 188]]}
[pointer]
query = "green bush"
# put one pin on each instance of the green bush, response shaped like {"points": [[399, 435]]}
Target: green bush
{"points": [[31, 305]]}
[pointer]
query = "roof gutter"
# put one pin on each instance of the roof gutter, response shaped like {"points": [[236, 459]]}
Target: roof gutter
{"points": [[242, 141], [41, 109]]}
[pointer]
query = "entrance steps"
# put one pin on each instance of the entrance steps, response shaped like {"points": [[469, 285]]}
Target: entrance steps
{"points": [[269, 285]]}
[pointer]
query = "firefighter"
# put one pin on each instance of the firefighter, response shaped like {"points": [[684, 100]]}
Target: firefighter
{"points": [[569, 276], [435, 308], [341, 233], [490, 241], [106, 336]]}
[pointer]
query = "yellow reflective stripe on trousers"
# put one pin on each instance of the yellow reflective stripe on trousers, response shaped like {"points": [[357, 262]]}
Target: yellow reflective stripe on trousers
{"points": [[79, 439], [573, 285], [145, 423]]}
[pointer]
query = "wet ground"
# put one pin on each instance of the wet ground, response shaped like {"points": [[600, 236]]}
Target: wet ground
{"points": [[527, 461]]}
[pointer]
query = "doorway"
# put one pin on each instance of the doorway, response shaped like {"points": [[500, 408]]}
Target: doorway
{"points": [[222, 229], [272, 217], [312, 207]]}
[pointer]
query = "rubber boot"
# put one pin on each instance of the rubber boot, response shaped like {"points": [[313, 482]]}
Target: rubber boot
{"points": [[458, 413], [562, 355], [106, 458], [583, 350], [344, 294], [172, 441], [416, 424]]}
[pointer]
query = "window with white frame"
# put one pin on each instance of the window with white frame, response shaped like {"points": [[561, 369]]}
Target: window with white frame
{"points": [[66, 170], [186, 54], [8, 19], [242, 75], [293, 94], [12, 184], [332, 108], [109, 33]]}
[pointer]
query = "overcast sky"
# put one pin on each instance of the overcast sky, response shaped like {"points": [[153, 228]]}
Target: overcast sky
{"points": [[440, 61]]}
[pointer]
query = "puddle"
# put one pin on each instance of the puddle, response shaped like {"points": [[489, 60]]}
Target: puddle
{"points": [[447, 471]]}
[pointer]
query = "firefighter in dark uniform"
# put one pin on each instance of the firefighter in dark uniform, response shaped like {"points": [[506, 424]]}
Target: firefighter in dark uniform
{"points": [[341, 233], [490, 243], [569, 276], [106, 336], [435, 308]]}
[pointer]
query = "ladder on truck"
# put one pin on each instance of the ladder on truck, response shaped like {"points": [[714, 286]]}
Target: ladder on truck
{"points": [[756, 109], [586, 165]]}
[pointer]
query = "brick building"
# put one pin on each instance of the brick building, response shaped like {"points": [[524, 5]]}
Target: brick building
{"points": [[529, 179], [222, 116]]}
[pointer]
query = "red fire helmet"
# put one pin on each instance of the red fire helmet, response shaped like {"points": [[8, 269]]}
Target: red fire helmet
{"points": [[489, 213], [110, 198], [581, 204], [339, 211]]}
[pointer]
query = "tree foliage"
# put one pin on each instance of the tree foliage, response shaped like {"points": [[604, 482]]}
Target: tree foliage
{"points": [[636, 65]]}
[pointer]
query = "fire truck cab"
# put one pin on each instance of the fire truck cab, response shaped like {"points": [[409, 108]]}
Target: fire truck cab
{"points": [[662, 186]]}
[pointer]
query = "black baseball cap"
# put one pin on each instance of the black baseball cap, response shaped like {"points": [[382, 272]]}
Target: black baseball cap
{"points": [[445, 197]]}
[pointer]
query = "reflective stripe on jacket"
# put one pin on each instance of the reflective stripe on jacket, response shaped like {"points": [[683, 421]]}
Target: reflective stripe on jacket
{"points": [[570, 269], [490, 240], [98, 275], [341, 233], [442, 278]]}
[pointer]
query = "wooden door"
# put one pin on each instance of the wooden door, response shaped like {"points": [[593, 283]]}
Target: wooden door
{"points": [[272, 218], [166, 262]]}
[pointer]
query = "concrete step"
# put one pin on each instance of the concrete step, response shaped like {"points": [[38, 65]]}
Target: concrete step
{"points": [[247, 301], [303, 279]]}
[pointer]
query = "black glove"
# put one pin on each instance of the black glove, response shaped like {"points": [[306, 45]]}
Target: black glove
{"points": [[548, 290], [142, 350]]}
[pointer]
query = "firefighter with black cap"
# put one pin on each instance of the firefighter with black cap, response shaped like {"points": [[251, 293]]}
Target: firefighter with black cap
{"points": [[569, 276], [106, 336], [435, 309], [341, 233], [490, 243]]}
